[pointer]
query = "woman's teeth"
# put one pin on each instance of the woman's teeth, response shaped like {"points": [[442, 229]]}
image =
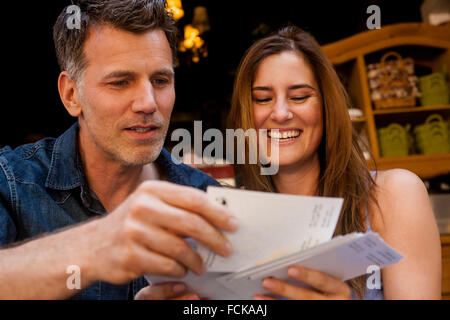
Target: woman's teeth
{"points": [[275, 134]]}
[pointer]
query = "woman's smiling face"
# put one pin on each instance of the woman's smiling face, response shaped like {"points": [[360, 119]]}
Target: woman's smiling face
{"points": [[286, 97]]}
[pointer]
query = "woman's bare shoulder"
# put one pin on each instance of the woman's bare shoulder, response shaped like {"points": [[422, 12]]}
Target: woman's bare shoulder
{"points": [[401, 195], [394, 178], [405, 220]]}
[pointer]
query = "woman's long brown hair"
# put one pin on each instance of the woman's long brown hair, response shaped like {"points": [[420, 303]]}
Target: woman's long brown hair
{"points": [[343, 169]]}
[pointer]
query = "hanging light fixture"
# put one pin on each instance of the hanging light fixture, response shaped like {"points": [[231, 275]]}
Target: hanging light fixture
{"points": [[192, 35], [192, 41], [176, 8], [201, 20]]}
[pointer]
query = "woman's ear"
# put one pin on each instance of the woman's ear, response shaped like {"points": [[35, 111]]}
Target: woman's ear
{"points": [[68, 92]]}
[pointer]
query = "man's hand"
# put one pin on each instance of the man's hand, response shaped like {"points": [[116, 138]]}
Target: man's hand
{"points": [[142, 235], [145, 233], [166, 290]]}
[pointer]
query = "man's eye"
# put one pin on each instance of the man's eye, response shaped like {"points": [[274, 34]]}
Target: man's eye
{"points": [[121, 83], [160, 81]]}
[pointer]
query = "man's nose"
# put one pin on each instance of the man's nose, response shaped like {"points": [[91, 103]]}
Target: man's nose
{"points": [[281, 112], [145, 99]]}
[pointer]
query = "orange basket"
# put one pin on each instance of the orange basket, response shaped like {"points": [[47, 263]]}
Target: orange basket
{"points": [[393, 83]]}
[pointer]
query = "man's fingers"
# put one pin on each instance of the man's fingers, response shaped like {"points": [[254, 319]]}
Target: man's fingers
{"points": [[193, 200], [167, 244], [160, 291], [154, 263], [185, 223]]}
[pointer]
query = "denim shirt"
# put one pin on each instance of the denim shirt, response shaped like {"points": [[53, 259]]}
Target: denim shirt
{"points": [[43, 188]]}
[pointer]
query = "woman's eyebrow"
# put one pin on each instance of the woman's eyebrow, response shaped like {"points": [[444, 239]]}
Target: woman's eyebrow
{"points": [[262, 88], [301, 86], [293, 87]]}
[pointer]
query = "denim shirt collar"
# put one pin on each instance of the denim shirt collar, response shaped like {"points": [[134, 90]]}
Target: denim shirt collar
{"points": [[66, 170], [64, 173]]}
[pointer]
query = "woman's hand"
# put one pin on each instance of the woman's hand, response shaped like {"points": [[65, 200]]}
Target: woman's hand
{"points": [[327, 287], [166, 290]]}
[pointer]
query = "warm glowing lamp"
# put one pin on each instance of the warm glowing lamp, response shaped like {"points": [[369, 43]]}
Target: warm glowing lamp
{"points": [[192, 34], [176, 8]]}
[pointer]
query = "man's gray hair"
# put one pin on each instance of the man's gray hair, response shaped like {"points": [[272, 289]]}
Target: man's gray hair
{"points": [[137, 16]]}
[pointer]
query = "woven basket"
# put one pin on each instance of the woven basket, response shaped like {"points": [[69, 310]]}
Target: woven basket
{"points": [[393, 83], [394, 140], [433, 135], [434, 89]]}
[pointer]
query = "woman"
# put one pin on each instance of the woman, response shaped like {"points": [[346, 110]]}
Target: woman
{"points": [[285, 82]]}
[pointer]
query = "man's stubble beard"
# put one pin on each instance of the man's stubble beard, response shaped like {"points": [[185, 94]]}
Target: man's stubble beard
{"points": [[154, 150]]}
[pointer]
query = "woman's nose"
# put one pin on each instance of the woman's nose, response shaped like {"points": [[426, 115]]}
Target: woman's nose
{"points": [[281, 112]]}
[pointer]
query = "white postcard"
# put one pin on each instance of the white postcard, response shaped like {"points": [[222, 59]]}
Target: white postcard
{"points": [[275, 232]]}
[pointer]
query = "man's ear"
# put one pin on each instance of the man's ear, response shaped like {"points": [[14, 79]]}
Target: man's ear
{"points": [[68, 92]]}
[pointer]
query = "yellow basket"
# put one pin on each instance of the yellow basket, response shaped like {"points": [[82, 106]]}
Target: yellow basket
{"points": [[432, 136]]}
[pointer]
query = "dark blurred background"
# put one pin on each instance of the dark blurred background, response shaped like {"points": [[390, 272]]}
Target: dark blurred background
{"points": [[31, 107]]}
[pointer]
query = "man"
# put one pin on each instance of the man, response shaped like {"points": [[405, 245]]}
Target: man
{"points": [[106, 173]]}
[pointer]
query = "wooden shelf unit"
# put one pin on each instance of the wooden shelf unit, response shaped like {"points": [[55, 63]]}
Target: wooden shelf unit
{"points": [[412, 109], [429, 46]]}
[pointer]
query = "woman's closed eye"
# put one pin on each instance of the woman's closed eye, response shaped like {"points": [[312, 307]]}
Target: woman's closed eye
{"points": [[296, 99], [262, 100], [300, 99]]}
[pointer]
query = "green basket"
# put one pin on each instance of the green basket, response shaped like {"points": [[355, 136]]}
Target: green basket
{"points": [[394, 140], [434, 89], [433, 135]]}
